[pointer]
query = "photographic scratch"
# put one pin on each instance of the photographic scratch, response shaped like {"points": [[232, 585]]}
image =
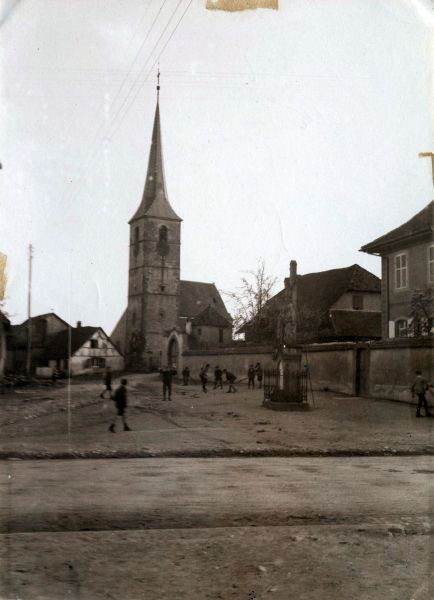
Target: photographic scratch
{"points": [[237, 5], [3, 278]]}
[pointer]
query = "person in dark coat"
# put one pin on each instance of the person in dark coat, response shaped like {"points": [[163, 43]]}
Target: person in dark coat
{"points": [[218, 378], [251, 377], [185, 375], [167, 375], [259, 374], [203, 376], [230, 378], [419, 387], [120, 399], [107, 383]]}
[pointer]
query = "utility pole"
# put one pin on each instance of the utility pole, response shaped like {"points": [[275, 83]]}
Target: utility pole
{"points": [[29, 317], [431, 155]]}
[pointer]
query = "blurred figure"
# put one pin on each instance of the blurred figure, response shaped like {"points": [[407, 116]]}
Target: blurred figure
{"points": [[251, 377], [185, 375], [419, 387], [203, 376], [230, 378], [259, 374], [218, 378], [120, 399], [107, 382], [167, 375]]}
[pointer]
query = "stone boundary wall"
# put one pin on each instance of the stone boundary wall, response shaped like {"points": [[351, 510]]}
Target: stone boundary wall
{"points": [[331, 366], [392, 367], [387, 369]]}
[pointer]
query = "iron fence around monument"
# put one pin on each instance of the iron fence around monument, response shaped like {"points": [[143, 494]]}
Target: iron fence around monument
{"points": [[273, 388]]}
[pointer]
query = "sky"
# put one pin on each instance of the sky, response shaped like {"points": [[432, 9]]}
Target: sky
{"points": [[288, 134]]}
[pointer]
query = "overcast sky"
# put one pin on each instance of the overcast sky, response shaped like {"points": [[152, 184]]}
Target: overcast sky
{"points": [[289, 134]]}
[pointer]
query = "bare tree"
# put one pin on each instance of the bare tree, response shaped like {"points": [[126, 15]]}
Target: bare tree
{"points": [[250, 298]]}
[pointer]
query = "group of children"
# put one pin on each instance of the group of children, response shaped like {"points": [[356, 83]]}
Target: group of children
{"points": [[419, 388], [218, 378]]}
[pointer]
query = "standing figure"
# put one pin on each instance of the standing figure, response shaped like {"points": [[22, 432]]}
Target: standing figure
{"points": [[230, 378], [167, 375], [107, 382], [203, 376], [185, 375], [251, 377], [259, 374], [120, 399], [218, 378], [419, 387]]}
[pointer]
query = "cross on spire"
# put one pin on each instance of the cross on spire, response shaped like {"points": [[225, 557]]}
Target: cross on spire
{"points": [[158, 83]]}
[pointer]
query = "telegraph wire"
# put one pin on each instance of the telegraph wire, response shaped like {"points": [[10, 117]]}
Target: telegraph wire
{"points": [[111, 132], [87, 161], [154, 64]]}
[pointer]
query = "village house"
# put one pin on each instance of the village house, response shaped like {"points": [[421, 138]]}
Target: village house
{"points": [[82, 349], [336, 305], [165, 315], [43, 329], [407, 265]]}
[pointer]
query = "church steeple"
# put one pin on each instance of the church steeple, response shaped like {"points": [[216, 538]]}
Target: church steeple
{"points": [[155, 202], [154, 266]]}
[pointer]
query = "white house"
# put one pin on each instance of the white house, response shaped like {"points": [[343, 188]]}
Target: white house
{"points": [[88, 348]]}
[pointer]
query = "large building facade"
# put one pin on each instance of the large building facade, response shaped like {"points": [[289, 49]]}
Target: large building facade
{"points": [[159, 322], [407, 265]]}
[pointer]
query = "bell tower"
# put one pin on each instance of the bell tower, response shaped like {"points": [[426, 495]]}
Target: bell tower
{"points": [[154, 265]]}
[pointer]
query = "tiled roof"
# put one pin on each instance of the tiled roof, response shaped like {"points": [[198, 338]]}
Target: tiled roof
{"points": [[319, 291], [421, 224], [195, 296], [356, 324], [58, 347], [155, 202], [44, 316], [210, 316], [316, 294]]}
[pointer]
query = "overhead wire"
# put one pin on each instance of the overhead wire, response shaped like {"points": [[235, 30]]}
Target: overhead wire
{"points": [[88, 160], [109, 133]]}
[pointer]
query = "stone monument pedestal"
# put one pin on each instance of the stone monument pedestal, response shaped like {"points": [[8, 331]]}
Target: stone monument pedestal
{"points": [[286, 388]]}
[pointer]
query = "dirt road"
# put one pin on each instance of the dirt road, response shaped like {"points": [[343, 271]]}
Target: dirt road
{"points": [[323, 528]]}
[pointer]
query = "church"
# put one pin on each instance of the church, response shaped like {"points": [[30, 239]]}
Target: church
{"points": [[165, 315]]}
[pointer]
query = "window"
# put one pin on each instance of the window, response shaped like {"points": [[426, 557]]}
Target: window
{"points": [[199, 331], [163, 243], [401, 326], [94, 343], [220, 336], [97, 361], [401, 271], [431, 264], [357, 302]]}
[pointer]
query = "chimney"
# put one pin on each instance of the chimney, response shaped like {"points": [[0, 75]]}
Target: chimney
{"points": [[78, 324], [293, 270]]}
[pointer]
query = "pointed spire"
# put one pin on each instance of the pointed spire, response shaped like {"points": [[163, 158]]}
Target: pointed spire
{"points": [[154, 201]]}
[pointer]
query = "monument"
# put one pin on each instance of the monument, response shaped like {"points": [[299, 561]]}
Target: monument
{"points": [[285, 382]]}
